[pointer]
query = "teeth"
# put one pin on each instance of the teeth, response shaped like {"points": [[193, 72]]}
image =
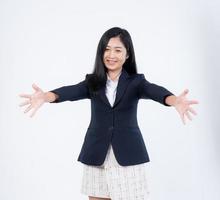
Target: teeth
{"points": [[111, 61]]}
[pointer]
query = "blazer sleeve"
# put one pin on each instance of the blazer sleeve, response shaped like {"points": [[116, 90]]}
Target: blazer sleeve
{"points": [[152, 91], [72, 92]]}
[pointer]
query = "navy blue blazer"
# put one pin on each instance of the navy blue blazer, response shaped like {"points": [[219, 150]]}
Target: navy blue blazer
{"points": [[118, 124]]}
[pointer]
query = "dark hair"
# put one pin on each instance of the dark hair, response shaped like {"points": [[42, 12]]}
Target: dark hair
{"points": [[98, 78]]}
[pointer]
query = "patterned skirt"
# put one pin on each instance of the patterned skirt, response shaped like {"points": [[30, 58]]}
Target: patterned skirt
{"points": [[114, 181]]}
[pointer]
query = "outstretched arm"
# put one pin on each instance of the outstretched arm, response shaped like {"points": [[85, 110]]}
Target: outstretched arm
{"points": [[148, 90], [160, 94], [71, 92], [65, 93]]}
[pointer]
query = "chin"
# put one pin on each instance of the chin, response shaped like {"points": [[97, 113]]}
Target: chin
{"points": [[112, 67]]}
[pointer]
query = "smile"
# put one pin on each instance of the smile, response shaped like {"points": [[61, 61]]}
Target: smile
{"points": [[111, 62]]}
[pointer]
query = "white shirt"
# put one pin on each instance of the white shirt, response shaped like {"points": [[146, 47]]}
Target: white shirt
{"points": [[111, 89]]}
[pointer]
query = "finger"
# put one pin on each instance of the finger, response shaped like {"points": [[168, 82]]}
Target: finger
{"points": [[184, 120], [36, 88], [33, 113], [192, 111], [35, 110], [182, 117], [188, 115], [24, 103], [25, 95], [184, 92], [27, 109]]}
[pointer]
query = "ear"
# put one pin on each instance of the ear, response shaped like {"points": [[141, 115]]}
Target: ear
{"points": [[127, 56]]}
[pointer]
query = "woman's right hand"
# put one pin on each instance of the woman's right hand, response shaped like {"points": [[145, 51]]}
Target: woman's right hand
{"points": [[34, 101]]}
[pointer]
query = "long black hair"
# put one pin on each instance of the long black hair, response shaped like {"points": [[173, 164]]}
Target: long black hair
{"points": [[98, 78]]}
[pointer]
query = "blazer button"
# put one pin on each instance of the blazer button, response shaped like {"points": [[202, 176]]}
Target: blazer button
{"points": [[111, 128]]}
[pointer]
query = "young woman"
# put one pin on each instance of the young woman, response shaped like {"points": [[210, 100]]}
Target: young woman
{"points": [[113, 153]]}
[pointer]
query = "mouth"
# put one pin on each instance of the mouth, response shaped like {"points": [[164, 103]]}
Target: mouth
{"points": [[111, 62]]}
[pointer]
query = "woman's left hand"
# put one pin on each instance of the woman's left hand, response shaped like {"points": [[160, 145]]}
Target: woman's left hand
{"points": [[182, 105]]}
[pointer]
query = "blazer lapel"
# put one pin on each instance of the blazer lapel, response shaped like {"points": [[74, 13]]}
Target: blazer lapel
{"points": [[121, 87]]}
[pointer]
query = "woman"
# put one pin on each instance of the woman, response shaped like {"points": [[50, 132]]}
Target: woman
{"points": [[113, 154]]}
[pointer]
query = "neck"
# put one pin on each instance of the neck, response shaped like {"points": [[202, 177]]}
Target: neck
{"points": [[114, 74]]}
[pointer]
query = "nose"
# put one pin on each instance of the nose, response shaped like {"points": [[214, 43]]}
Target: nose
{"points": [[111, 54]]}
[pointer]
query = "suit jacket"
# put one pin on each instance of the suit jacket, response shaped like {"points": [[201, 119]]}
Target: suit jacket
{"points": [[118, 124]]}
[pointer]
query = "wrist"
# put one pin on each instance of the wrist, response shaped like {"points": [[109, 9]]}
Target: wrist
{"points": [[171, 100], [50, 97]]}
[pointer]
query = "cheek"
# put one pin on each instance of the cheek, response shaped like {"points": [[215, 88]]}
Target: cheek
{"points": [[104, 56], [122, 58]]}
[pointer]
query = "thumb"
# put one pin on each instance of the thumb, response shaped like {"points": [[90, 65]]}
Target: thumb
{"points": [[184, 92], [35, 87]]}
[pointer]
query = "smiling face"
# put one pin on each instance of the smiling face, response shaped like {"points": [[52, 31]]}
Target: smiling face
{"points": [[115, 54]]}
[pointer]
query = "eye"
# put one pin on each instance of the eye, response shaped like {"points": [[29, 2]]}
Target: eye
{"points": [[118, 50]]}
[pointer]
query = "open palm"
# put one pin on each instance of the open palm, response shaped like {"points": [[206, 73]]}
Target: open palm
{"points": [[182, 106], [34, 101]]}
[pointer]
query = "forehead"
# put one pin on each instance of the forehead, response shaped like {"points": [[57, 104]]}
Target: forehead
{"points": [[115, 42]]}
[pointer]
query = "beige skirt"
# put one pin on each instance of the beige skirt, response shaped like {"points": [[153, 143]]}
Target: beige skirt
{"points": [[114, 181]]}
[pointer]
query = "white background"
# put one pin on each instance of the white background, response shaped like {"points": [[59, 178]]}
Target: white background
{"points": [[53, 43]]}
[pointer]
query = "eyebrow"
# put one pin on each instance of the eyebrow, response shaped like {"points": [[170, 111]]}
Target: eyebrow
{"points": [[115, 47]]}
